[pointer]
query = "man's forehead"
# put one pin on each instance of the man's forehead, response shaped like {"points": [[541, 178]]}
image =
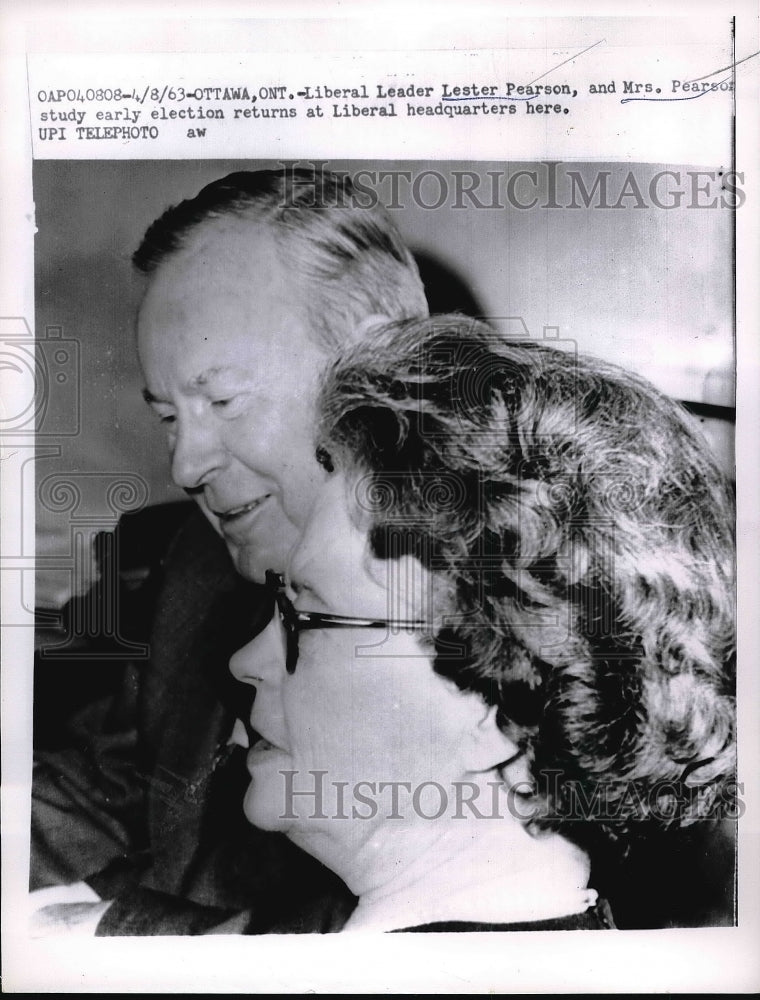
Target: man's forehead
{"points": [[226, 236], [219, 285], [224, 310], [226, 263]]}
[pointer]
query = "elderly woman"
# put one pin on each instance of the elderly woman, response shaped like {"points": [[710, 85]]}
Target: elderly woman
{"points": [[505, 638]]}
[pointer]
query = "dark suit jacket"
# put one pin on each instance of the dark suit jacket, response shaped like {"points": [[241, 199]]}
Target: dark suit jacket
{"points": [[145, 802], [597, 918]]}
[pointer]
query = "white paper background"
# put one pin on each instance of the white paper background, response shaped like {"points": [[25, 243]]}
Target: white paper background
{"points": [[400, 44]]}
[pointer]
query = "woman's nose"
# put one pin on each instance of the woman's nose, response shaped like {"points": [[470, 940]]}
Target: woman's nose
{"points": [[263, 658]]}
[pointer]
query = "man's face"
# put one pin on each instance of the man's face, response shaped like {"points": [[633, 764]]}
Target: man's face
{"points": [[231, 371]]}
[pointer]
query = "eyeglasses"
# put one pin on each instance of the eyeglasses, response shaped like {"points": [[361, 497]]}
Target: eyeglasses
{"points": [[295, 621]]}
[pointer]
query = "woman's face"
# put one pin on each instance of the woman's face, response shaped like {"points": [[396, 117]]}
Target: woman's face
{"points": [[364, 706]]}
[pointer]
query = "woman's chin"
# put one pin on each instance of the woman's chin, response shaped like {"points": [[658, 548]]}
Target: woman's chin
{"points": [[263, 809]]}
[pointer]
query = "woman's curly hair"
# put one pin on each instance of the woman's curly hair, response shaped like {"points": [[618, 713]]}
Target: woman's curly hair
{"points": [[580, 537]]}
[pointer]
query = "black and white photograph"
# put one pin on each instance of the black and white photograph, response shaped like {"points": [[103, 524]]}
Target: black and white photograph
{"points": [[372, 566]]}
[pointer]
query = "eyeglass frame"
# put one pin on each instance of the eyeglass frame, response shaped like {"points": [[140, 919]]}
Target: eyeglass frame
{"points": [[294, 620]]}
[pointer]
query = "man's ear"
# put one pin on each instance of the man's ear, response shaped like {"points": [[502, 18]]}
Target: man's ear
{"points": [[489, 746], [365, 326]]}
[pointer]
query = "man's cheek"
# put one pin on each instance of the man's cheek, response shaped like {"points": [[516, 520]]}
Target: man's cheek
{"points": [[211, 518], [299, 501]]}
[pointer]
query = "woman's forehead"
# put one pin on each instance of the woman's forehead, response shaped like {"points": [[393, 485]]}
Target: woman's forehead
{"points": [[334, 560], [333, 539]]}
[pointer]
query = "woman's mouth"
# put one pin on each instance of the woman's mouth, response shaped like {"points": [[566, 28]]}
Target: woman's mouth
{"points": [[260, 752], [248, 738]]}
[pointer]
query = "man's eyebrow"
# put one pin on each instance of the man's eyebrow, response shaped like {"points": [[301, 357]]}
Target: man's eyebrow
{"points": [[199, 382], [203, 379]]}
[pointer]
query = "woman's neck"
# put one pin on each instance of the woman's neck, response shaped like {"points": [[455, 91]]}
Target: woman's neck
{"points": [[482, 870]]}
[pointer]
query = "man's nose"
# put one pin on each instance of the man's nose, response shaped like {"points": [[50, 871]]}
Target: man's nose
{"points": [[197, 454], [262, 660]]}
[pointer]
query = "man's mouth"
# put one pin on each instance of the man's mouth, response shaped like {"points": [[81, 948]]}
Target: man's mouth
{"points": [[225, 516]]}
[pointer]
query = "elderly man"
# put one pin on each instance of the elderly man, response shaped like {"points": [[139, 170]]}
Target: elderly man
{"points": [[250, 286]]}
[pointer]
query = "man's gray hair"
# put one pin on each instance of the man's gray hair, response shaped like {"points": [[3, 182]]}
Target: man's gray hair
{"points": [[348, 258]]}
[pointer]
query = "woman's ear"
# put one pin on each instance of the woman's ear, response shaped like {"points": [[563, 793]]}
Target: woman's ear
{"points": [[489, 746]]}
